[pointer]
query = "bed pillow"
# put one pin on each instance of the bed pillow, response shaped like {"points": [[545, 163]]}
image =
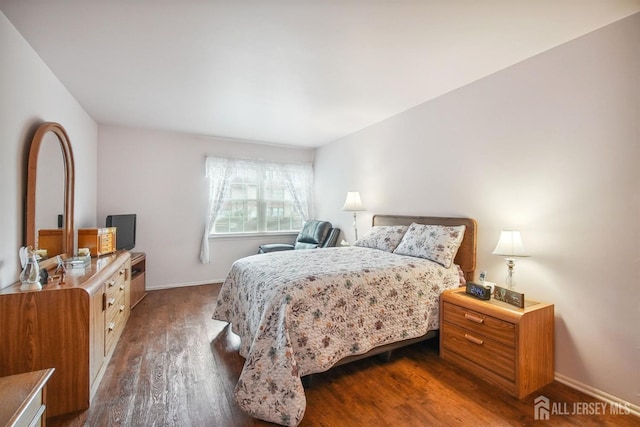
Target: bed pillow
{"points": [[437, 243], [383, 237]]}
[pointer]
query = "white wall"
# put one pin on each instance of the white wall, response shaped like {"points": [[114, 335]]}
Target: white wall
{"points": [[160, 177], [31, 94], [549, 146]]}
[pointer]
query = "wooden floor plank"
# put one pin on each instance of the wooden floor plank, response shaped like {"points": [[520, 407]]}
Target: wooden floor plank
{"points": [[175, 366]]}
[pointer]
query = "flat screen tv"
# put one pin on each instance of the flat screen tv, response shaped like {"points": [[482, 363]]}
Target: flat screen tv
{"points": [[126, 230]]}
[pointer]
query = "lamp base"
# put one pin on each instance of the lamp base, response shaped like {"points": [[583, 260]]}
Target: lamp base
{"points": [[510, 280], [355, 225]]}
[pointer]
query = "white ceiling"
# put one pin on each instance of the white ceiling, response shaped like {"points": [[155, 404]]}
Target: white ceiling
{"points": [[297, 72]]}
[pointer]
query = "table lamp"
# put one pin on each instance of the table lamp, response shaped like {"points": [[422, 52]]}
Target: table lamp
{"points": [[510, 246], [353, 203]]}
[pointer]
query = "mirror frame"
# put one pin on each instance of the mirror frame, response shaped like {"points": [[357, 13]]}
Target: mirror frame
{"points": [[69, 181]]}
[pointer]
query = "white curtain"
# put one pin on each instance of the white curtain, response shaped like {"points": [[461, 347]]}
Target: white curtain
{"points": [[299, 181], [220, 171]]}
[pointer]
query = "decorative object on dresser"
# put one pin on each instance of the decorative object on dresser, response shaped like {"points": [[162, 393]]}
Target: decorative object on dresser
{"points": [[100, 241], [509, 296], [509, 347], [353, 203], [30, 275], [24, 398], [510, 246]]}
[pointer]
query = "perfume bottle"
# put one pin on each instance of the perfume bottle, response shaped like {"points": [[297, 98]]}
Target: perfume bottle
{"points": [[30, 276]]}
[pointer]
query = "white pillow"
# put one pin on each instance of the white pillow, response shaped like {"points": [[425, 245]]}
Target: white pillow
{"points": [[383, 237], [438, 243]]}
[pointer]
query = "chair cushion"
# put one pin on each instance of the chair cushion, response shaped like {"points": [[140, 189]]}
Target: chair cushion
{"points": [[313, 234], [274, 247]]}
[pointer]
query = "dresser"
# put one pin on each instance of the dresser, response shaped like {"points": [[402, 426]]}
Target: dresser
{"points": [[510, 347], [72, 326]]}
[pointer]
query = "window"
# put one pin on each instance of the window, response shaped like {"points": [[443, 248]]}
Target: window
{"points": [[251, 196]]}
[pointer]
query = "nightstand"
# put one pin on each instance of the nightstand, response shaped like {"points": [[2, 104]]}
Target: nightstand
{"points": [[507, 346]]}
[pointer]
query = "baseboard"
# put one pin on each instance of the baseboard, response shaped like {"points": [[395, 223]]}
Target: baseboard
{"points": [[598, 394], [182, 285]]}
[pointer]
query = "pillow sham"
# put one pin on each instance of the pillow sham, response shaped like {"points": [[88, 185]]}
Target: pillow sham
{"points": [[383, 237], [437, 243]]}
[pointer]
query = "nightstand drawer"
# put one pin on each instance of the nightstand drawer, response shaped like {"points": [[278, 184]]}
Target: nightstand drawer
{"points": [[486, 353], [489, 327]]}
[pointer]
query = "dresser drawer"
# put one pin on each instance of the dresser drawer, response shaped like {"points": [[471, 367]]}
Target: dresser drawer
{"points": [[116, 284], [106, 243], [114, 305], [487, 326], [116, 318], [486, 353]]}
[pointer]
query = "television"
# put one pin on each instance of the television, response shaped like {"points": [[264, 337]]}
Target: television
{"points": [[126, 230]]}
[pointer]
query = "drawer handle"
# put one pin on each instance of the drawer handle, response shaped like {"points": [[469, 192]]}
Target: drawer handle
{"points": [[112, 326], [473, 318], [111, 283], [121, 271], [122, 287], [473, 339], [111, 301], [121, 307]]}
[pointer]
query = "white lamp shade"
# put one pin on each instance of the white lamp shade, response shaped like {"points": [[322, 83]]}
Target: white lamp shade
{"points": [[510, 245], [353, 202]]}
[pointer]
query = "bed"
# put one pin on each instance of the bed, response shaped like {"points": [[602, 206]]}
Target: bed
{"points": [[302, 312]]}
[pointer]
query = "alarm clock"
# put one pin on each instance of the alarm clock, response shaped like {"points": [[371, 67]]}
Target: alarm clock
{"points": [[478, 291]]}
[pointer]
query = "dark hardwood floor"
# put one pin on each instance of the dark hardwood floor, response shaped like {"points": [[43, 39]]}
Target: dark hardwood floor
{"points": [[175, 366]]}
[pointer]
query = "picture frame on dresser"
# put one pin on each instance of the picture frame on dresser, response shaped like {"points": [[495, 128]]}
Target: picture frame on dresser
{"points": [[509, 296]]}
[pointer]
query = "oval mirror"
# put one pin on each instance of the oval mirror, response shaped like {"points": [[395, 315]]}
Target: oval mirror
{"points": [[50, 193], [50, 185]]}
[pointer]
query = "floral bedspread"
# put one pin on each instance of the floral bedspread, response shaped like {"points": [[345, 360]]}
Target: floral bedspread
{"points": [[299, 312]]}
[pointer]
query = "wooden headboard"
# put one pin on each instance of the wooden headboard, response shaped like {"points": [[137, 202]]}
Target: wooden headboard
{"points": [[466, 257]]}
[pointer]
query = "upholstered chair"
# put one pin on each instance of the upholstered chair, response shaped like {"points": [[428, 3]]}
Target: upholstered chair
{"points": [[314, 234]]}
